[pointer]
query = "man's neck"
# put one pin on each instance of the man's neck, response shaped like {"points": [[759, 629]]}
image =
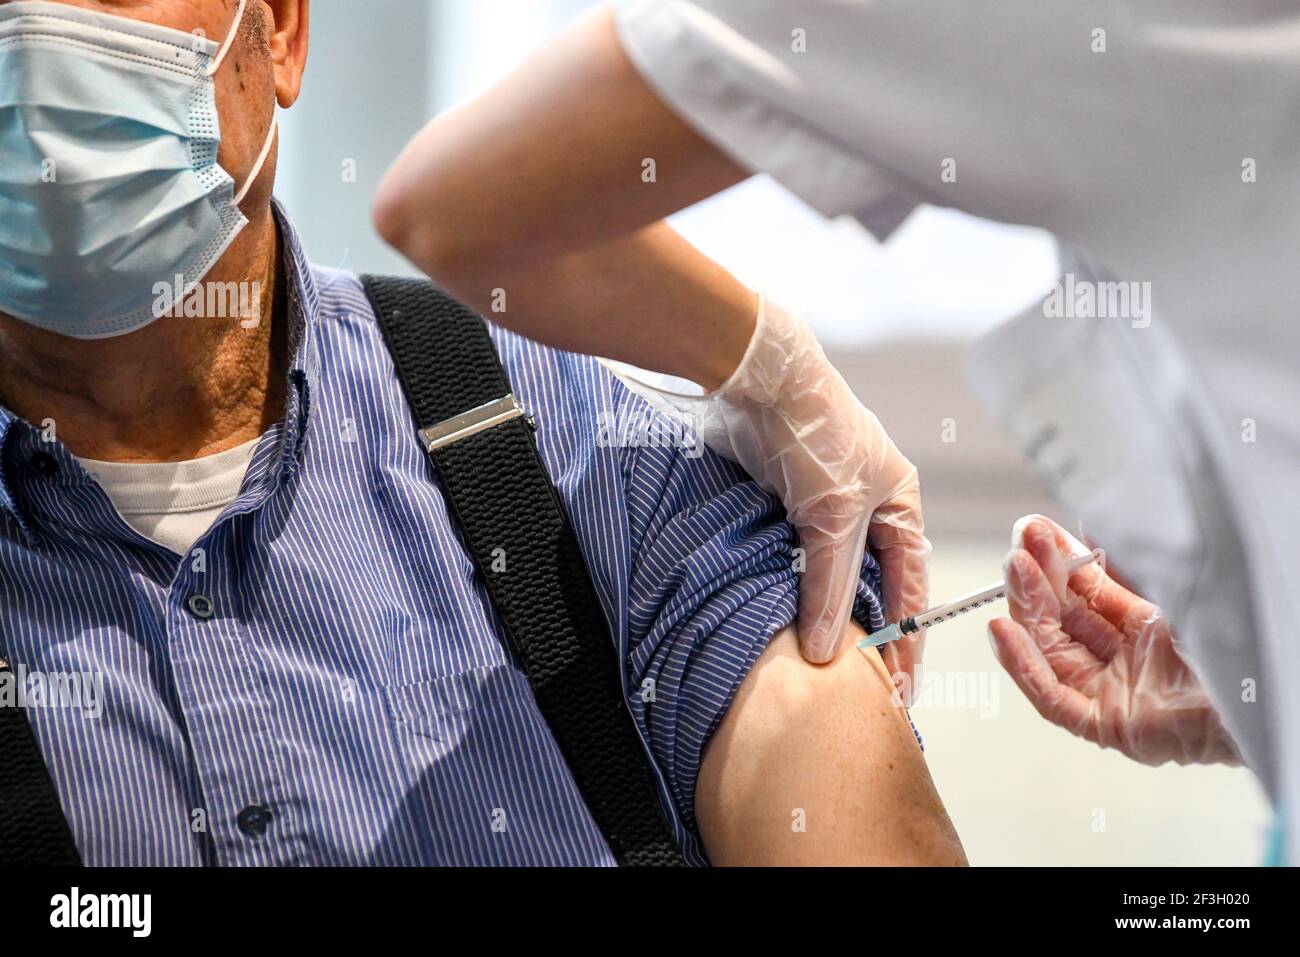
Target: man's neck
{"points": [[181, 388]]}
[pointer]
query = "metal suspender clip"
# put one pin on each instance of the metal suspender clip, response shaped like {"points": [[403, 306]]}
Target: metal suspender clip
{"points": [[486, 416]]}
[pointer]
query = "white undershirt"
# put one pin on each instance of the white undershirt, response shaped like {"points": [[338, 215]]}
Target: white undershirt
{"points": [[174, 503]]}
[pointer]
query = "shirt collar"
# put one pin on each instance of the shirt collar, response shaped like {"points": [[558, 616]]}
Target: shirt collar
{"points": [[301, 313]]}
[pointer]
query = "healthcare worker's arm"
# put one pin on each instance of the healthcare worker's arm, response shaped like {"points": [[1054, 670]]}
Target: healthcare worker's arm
{"points": [[1099, 661], [818, 766], [540, 205], [539, 188]]}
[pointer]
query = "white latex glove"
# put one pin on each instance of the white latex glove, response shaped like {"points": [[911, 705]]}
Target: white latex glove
{"points": [[1099, 661], [792, 422]]}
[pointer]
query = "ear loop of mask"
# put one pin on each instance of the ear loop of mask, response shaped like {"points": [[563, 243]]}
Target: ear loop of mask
{"points": [[270, 134], [261, 161], [230, 40]]}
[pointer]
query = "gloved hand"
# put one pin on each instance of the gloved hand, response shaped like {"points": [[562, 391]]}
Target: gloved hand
{"points": [[792, 422], [1099, 661]]}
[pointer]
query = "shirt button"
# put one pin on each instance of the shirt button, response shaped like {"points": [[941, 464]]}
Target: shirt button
{"points": [[253, 820], [45, 463], [200, 606]]}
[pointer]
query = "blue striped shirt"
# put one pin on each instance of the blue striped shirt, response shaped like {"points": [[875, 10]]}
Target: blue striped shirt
{"points": [[351, 700]]}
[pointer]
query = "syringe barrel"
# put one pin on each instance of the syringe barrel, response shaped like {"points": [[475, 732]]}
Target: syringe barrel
{"points": [[960, 606], [955, 608]]}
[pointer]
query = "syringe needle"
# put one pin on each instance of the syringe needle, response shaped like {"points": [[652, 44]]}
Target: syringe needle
{"points": [[953, 609]]}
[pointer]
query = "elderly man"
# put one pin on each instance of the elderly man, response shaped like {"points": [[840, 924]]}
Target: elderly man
{"points": [[230, 522]]}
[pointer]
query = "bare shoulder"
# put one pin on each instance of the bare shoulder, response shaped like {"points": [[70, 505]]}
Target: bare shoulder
{"points": [[819, 765]]}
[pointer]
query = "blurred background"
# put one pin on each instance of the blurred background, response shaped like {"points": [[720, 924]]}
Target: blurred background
{"points": [[898, 318]]}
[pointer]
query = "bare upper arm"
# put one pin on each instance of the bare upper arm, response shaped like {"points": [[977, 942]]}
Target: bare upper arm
{"points": [[818, 765]]}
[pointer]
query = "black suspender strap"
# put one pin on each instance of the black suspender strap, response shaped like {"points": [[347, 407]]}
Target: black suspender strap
{"points": [[517, 533], [33, 830]]}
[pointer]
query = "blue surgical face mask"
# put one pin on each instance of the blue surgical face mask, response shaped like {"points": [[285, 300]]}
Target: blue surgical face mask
{"points": [[112, 204]]}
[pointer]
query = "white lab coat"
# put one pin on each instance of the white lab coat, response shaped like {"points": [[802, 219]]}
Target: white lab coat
{"points": [[1161, 137]]}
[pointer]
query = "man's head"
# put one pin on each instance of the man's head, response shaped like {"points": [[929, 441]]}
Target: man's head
{"points": [[264, 66], [260, 68], [132, 147]]}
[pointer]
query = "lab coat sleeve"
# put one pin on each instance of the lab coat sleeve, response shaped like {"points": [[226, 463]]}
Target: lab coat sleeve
{"points": [[1015, 110], [735, 89]]}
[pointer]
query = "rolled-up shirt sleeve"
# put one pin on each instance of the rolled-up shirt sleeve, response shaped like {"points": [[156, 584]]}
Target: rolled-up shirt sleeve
{"points": [[712, 579]]}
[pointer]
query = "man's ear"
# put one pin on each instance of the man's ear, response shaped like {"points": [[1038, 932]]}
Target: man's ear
{"points": [[287, 24]]}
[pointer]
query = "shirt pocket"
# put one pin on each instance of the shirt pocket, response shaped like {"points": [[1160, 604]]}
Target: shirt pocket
{"points": [[442, 709]]}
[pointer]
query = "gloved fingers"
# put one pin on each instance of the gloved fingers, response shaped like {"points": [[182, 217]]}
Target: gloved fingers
{"points": [[1091, 630], [1067, 543], [1052, 546], [1081, 624], [1034, 607], [904, 571], [1087, 581], [1042, 542], [827, 587], [1043, 533], [897, 536], [1022, 658], [1096, 609], [1030, 595], [1115, 603]]}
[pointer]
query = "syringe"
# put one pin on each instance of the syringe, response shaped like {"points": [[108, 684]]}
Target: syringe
{"points": [[954, 608]]}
